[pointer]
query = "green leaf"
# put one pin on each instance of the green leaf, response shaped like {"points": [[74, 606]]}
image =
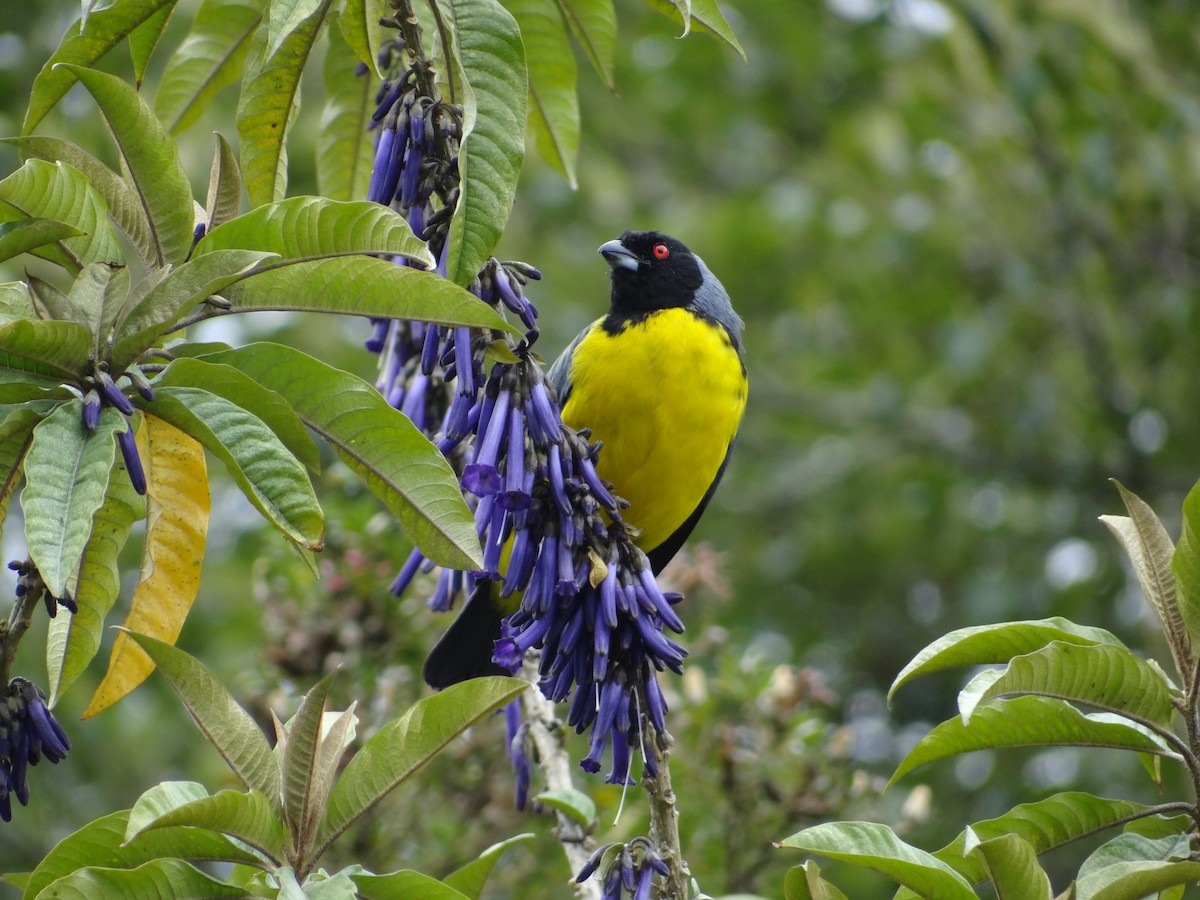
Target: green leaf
{"points": [[345, 148], [553, 101], [105, 29], [211, 57], [398, 463], [402, 746], [247, 816], [470, 879], [805, 883], [143, 40], [493, 145], [66, 478], [160, 800], [23, 235], [165, 303], [74, 640], [100, 844], [151, 159], [1150, 549], [594, 24], [15, 301], [307, 228], [123, 205], [237, 387], [96, 296], [270, 477], [304, 787], [577, 805], [877, 847], [1011, 865], [16, 434], [60, 348], [360, 28], [1186, 565], [1109, 678], [406, 884], [1136, 848], [226, 725], [58, 191], [984, 644], [704, 13], [1134, 880], [270, 97], [1026, 722], [362, 286], [224, 186], [158, 879]]}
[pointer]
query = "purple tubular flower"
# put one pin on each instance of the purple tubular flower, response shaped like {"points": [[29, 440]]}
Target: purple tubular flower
{"points": [[430, 349], [414, 402], [407, 573], [656, 706], [487, 451], [133, 462], [515, 496], [544, 423], [645, 877], [588, 469], [115, 397], [50, 735], [379, 171], [658, 602], [463, 361], [91, 410], [389, 100], [379, 331], [515, 740]]}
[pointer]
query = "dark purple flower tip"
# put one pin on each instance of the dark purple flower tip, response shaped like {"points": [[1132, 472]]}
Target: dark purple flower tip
{"points": [[91, 410], [54, 741], [407, 573], [656, 706], [113, 394], [599, 491], [516, 752], [198, 232], [379, 330], [379, 171], [544, 419], [645, 877], [658, 602], [612, 884], [463, 361], [133, 462], [592, 864], [508, 654], [482, 480], [389, 100], [361, 69]]}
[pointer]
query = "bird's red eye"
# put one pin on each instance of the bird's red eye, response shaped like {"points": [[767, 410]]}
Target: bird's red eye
{"points": [[661, 251]]}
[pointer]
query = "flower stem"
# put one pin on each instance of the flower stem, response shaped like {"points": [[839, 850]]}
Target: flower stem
{"points": [[12, 631], [664, 817], [555, 763]]}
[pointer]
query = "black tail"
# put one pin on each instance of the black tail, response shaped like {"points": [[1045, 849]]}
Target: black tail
{"points": [[465, 650]]}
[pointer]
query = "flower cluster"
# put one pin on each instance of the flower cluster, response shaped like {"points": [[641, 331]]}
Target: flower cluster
{"points": [[551, 529], [31, 587], [625, 868], [28, 731], [102, 390]]}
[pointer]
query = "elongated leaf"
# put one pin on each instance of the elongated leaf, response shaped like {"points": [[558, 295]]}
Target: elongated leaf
{"points": [[211, 57], [159, 800], [16, 435], [1186, 565], [58, 347], [398, 463], [105, 29], [224, 186], [66, 477], [594, 24], [493, 146], [805, 883], [1136, 848], [1026, 722], [177, 510], [362, 286], [1012, 867], [246, 816], [345, 148], [984, 644], [877, 847], [74, 640], [23, 235], [123, 205], [15, 301], [471, 878], [1135, 880], [404, 745], [143, 40], [95, 297], [158, 879], [226, 725], [270, 96], [1109, 678], [150, 316], [359, 24], [703, 13], [100, 843], [270, 477], [302, 228], [302, 803], [553, 101], [406, 884], [575, 804], [151, 160], [1150, 550], [58, 191], [285, 18], [232, 384]]}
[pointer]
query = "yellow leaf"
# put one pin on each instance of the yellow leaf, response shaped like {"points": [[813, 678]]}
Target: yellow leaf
{"points": [[176, 527]]}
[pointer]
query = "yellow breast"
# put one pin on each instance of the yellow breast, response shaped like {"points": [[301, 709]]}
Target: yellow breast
{"points": [[666, 396]]}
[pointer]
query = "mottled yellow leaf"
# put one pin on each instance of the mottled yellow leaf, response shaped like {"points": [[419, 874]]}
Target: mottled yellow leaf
{"points": [[176, 527]]}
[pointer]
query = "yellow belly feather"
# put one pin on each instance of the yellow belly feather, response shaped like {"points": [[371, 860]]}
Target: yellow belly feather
{"points": [[666, 397]]}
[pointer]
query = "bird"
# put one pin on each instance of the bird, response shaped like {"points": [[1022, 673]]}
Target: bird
{"points": [[660, 381]]}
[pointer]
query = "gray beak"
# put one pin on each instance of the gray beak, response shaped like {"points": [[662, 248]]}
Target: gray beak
{"points": [[617, 255]]}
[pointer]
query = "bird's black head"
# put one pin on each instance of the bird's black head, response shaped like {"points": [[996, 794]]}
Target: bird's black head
{"points": [[650, 271]]}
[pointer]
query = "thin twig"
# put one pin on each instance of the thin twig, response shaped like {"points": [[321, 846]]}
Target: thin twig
{"points": [[664, 816], [545, 731], [12, 632]]}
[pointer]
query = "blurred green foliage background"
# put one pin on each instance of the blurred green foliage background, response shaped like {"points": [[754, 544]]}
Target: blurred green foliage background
{"points": [[963, 236]]}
